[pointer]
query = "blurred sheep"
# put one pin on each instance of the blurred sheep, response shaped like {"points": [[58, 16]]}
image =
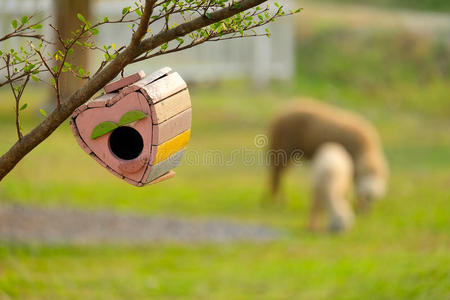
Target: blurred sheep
{"points": [[307, 125]]}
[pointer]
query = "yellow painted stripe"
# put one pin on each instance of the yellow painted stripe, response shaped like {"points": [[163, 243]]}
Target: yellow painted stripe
{"points": [[172, 146]]}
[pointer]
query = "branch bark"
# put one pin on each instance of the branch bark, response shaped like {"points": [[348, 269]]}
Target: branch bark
{"points": [[136, 48]]}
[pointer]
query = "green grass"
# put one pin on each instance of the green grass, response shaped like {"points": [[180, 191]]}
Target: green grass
{"points": [[399, 251], [304, 267]]}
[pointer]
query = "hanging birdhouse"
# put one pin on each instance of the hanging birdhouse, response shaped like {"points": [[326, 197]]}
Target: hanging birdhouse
{"points": [[139, 128]]}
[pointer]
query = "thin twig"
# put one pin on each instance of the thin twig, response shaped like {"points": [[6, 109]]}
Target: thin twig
{"points": [[17, 95]]}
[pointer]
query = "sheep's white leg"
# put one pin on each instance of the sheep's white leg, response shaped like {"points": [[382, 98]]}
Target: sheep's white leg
{"points": [[332, 172], [341, 214]]}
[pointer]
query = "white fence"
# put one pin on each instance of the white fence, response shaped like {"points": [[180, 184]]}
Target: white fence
{"points": [[260, 59]]}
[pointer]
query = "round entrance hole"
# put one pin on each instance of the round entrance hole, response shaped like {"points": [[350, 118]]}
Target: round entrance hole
{"points": [[126, 143]]}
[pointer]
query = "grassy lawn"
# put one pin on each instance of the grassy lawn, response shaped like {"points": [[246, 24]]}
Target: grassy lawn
{"points": [[399, 251]]}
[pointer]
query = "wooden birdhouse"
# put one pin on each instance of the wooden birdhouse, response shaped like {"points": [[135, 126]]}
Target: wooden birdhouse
{"points": [[139, 128]]}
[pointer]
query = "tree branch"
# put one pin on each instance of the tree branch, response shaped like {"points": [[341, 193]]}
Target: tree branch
{"points": [[17, 94], [136, 48], [200, 22], [143, 24], [25, 29]]}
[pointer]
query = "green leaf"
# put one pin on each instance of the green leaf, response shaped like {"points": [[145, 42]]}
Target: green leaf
{"points": [[43, 112], [28, 68], [23, 106], [81, 18], [35, 78], [102, 129], [94, 31], [105, 19], [37, 26], [24, 19], [131, 116], [125, 10], [70, 51], [164, 47], [14, 23]]}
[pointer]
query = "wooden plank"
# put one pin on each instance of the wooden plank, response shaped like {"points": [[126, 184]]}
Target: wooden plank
{"points": [[130, 181], [114, 99], [154, 76], [170, 107], [79, 110], [171, 147], [146, 80], [101, 162], [73, 127], [172, 127], [78, 137], [104, 97], [101, 100], [164, 177], [94, 104], [121, 83], [148, 168], [166, 165], [163, 88]]}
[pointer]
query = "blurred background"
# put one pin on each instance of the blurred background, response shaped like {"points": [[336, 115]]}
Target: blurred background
{"points": [[388, 60]]}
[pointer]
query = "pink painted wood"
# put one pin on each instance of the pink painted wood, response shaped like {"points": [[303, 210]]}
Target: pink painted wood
{"points": [[101, 100], [114, 100], [88, 119], [101, 162], [80, 141], [121, 83], [79, 110]]}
